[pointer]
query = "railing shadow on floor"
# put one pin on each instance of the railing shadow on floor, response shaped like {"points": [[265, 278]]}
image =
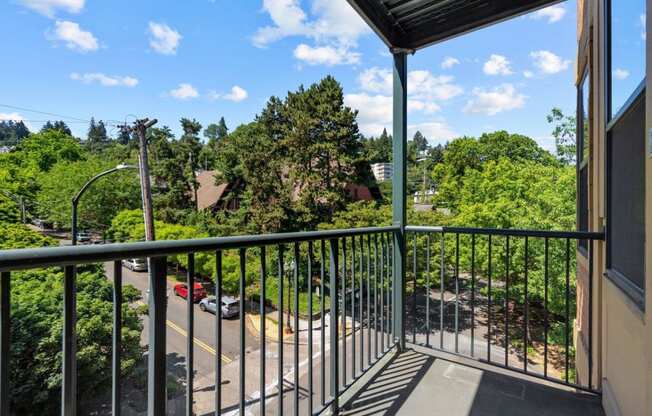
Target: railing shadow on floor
{"points": [[386, 392]]}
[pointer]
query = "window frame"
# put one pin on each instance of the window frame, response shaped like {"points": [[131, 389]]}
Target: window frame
{"points": [[581, 162], [628, 286]]}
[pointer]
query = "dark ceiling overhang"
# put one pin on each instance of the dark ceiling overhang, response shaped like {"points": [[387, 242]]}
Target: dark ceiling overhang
{"points": [[415, 24]]}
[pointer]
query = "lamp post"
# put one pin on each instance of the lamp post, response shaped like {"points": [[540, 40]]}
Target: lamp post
{"points": [[289, 271], [75, 200]]}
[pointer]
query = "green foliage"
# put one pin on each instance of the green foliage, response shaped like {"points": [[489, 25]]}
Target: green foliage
{"points": [[59, 125], [169, 167], [9, 210], [564, 132], [99, 204], [43, 150], [467, 153], [19, 236], [12, 132], [378, 150], [97, 137], [37, 322], [310, 148]]}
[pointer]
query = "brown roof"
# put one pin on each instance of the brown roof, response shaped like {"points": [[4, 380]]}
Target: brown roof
{"points": [[208, 192]]}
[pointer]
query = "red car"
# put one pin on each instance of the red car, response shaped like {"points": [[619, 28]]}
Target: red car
{"points": [[181, 289]]}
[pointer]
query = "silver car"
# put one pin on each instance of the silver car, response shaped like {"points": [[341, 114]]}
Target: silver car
{"points": [[230, 306], [137, 265]]}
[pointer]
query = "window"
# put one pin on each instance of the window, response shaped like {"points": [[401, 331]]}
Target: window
{"points": [[583, 151], [626, 50], [625, 147]]}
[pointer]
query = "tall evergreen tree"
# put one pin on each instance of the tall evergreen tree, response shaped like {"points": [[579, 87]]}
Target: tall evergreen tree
{"points": [[58, 125], [97, 137]]}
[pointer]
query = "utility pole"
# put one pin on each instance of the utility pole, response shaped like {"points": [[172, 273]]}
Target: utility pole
{"points": [[140, 128]]}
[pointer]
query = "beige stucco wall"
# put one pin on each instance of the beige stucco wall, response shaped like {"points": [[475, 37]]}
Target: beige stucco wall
{"points": [[622, 331]]}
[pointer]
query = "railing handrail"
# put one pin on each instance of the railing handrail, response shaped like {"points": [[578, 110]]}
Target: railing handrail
{"points": [[31, 258], [573, 235]]}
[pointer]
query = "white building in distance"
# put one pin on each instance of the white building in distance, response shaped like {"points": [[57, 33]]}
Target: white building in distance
{"points": [[382, 171]]}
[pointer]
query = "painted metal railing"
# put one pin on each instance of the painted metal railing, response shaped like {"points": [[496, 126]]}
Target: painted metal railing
{"points": [[354, 268], [512, 289]]}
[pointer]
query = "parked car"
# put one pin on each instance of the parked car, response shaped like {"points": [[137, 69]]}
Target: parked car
{"points": [[84, 237], [198, 293], [137, 265], [230, 306]]}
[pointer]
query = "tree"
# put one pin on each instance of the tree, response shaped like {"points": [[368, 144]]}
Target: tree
{"points": [[43, 150], [12, 132], [57, 125], [216, 132], [420, 142], [323, 148], [190, 146], [172, 191], [97, 137], [100, 203], [564, 132], [466, 153], [378, 150], [36, 322]]}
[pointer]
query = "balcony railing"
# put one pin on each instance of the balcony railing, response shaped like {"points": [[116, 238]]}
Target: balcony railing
{"points": [[354, 270]]}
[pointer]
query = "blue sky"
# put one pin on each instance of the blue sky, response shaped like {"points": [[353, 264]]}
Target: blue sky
{"points": [[122, 59]]}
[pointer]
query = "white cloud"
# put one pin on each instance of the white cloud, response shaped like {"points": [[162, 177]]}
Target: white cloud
{"points": [[449, 62], [104, 80], [49, 8], [425, 106], [375, 110], [528, 74], [422, 84], [437, 132], [494, 101], [163, 39], [237, 94], [549, 63], [184, 91], [620, 73], [497, 65], [426, 86], [333, 19], [333, 25], [325, 55], [74, 36], [553, 13]]}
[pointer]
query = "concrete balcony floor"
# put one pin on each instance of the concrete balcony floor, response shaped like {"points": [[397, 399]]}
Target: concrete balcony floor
{"points": [[414, 383]]}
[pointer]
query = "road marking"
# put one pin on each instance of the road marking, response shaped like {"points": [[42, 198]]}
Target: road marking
{"points": [[197, 341]]}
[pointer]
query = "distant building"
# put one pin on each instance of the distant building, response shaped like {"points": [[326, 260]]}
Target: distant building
{"points": [[382, 171], [6, 149]]}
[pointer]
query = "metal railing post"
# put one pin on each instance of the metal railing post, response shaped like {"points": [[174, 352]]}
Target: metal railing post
{"points": [[69, 382], [156, 374], [398, 190], [334, 359]]}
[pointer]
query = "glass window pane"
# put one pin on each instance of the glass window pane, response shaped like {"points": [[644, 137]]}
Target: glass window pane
{"points": [[628, 34]]}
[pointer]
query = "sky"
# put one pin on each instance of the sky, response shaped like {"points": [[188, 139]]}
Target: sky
{"points": [[120, 60]]}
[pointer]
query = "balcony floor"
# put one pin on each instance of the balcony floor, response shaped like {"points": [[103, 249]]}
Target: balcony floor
{"points": [[413, 383]]}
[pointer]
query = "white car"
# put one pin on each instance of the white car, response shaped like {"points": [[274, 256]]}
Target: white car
{"points": [[230, 306], [137, 265]]}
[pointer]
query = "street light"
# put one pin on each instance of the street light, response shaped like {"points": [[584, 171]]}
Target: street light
{"points": [[75, 200], [289, 271]]}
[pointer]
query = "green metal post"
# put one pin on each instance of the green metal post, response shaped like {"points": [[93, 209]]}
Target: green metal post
{"points": [[398, 190]]}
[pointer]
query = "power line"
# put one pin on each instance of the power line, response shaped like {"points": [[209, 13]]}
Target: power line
{"points": [[44, 113]]}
